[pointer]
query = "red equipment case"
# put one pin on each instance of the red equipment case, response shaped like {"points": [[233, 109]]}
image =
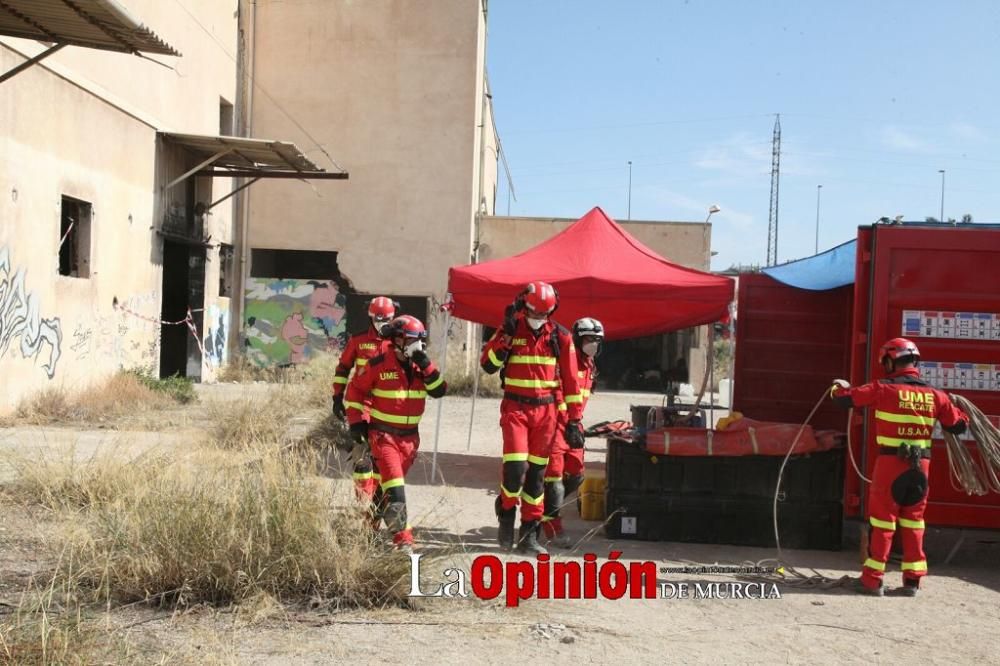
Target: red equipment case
{"points": [[939, 286], [936, 284]]}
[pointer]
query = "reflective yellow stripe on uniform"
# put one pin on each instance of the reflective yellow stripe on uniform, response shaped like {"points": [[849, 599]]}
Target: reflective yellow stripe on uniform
{"points": [[509, 494], [904, 418], [340, 380], [398, 395], [532, 500], [911, 524], [531, 360], [353, 405], [493, 359], [577, 398], [875, 564], [883, 524], [361, 476], [914, 566], [515, 457], [361, 362], [563, 407], [895, 441], [434, 384], [535, 460], [532, 383], [394, 418], [392, 483], [552, 479], [585, 393]]}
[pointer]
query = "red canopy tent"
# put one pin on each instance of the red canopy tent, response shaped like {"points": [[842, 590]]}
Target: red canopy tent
{"points": [[600, 271]]}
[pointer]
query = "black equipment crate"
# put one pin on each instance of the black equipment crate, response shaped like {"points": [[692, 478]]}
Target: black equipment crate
{"points": [[814, 477], [723, 520]]}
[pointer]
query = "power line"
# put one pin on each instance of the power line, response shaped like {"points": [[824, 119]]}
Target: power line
{"points": [[557, 130]]}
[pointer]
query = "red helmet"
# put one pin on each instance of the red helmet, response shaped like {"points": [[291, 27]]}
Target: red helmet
{"points": [[540, 298], [898, 348], [406, 326], [382, 309]]}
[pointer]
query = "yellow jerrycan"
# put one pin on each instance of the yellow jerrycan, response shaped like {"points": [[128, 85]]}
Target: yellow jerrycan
{"points": [[592, 495]]}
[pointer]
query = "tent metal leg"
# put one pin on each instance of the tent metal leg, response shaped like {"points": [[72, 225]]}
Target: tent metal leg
{"points": [[440, 402], [475, 394]]}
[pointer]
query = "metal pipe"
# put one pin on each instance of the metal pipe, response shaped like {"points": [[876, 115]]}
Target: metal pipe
{"points": [[10, 73]]}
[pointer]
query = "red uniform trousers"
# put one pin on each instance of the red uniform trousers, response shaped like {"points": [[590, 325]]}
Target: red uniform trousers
{"points": [[394, 455], [562, 477], [365, 475], [528, 432], [563, 461], [886, 516]]}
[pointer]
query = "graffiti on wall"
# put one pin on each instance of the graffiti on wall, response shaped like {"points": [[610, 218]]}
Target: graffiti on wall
{"points": [[288, 321], [19, 318], [216, 330], [125, 336]]}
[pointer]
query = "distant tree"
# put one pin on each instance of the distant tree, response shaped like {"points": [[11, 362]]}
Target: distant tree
{"points": [[932, 220], [967, 219]]}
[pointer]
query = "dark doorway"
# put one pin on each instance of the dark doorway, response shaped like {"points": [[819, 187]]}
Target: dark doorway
{"points": [[357, 310], [183, 288]]}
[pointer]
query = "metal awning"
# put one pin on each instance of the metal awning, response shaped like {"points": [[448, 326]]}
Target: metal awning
{"points": [[94, 24], [239, 157]]}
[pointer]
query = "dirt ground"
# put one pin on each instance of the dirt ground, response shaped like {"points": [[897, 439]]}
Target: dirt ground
{"points": [[955, 620]]}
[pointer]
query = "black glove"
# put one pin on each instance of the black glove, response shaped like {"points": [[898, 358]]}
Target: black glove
{"points": [[338, 408], [574, 434], [509, 321], [359, 432], [421, 359]]}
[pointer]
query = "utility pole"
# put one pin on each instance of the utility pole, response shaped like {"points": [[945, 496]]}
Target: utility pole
{"points": [[941, 171], [628, 215], [818, 189], [772, 215]]}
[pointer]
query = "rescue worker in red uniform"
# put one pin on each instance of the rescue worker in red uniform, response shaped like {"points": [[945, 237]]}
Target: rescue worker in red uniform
{"points": [[393, 387], [905, 411], [537, 361], [564, 473], [359, 350]]}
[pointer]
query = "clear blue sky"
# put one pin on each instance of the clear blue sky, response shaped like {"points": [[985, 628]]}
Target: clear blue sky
{"points": [[874, 98]]}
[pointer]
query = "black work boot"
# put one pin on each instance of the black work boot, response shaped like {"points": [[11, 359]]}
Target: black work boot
{"points": [[861, 588], [527, 543], [910, 588], [505, 533]]}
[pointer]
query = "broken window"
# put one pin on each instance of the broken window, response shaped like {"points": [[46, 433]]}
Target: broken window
{"points": [[74, 238], [225, 117]]}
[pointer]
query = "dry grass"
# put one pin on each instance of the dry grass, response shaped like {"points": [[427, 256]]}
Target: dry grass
{"points": [[313, 380], [211, 527], [49, 626], [461, 383], [250, 419], [119, 396], [328, 433]]}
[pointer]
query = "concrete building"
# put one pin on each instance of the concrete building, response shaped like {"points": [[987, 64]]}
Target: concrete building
{"points": [[395, 91], [650, 363], [82, 207]]}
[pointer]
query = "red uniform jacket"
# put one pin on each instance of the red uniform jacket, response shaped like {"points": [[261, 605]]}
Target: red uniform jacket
{"points": [[394, 393], [537, 365], [586, 370], [359, 350], [905, 409]]}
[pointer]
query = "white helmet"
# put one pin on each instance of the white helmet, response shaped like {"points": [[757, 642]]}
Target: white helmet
{"points": [[587, 326]]}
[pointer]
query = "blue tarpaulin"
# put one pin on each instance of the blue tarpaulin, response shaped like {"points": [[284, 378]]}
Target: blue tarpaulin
{"points": [[827, 270]]}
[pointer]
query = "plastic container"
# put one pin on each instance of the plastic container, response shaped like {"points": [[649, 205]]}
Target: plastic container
{"points": [[592, 496]]}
